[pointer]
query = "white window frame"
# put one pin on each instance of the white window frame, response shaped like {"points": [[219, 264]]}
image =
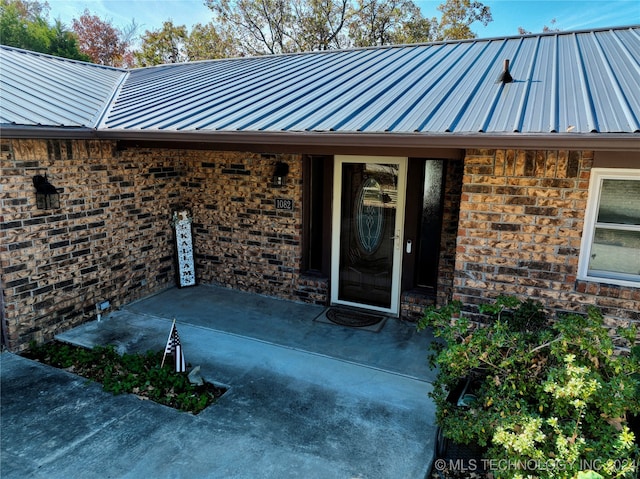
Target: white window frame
{"points": [[590, 224]]}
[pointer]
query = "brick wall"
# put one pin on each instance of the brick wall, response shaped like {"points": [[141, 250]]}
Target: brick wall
{"points": [[521, 216], [450, 218], [241, 240], [111, 237], [521, 220], [109, 240]]}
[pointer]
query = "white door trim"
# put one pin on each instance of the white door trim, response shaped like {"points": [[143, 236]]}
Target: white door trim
{"points": [[394, 309]]}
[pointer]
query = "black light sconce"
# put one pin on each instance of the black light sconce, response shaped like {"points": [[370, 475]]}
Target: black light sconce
{"points": [[280, 173], [47, 196]]}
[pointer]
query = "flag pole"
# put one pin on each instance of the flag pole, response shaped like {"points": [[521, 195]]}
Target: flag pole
{"points": [[164, 356]]}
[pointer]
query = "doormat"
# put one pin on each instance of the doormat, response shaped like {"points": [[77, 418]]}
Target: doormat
{"points": [[353, 319]]}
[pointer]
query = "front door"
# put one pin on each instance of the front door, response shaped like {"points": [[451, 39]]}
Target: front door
{"points": [[368, 215]]}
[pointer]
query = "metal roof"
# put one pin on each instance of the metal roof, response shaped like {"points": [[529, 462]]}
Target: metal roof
{"points": [[567, 83], [38, 89]]}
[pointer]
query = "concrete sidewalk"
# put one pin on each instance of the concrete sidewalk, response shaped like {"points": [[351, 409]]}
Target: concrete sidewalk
{"points": [[288, 412]]}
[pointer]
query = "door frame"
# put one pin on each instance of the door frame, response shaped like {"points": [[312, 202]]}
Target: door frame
{"points": [[398, 250]]}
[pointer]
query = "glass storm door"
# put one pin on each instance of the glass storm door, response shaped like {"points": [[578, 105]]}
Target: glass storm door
{"points": [[368, 215]]}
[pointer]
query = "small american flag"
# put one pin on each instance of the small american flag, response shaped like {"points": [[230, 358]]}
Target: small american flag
{"points": [[174, 347]]}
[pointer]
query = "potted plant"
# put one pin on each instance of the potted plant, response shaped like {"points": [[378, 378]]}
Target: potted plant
{"points": [[552, 399]]}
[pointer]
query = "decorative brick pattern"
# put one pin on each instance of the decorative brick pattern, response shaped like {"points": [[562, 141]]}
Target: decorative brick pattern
{"points": [[521, 220]]}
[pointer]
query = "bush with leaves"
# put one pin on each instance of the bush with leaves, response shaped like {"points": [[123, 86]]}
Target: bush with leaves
{"points": [[140, 374], [556, 395]]}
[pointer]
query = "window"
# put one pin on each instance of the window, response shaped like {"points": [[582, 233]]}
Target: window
{"points": [[610, 249], [430, 225], [423, 224]]}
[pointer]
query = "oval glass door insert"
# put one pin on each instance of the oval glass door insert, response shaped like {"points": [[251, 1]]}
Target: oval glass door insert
{"points": [[369, 215]]}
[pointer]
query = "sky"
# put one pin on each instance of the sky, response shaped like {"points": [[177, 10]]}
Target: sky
{"points": [[508, 15]]}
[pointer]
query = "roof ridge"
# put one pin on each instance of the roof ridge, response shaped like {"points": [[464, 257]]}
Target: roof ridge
{"points": [[62, 59], [398, 45], [108, 105]]}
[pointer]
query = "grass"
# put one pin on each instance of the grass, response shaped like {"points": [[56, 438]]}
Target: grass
{"points": [[138, 374]]}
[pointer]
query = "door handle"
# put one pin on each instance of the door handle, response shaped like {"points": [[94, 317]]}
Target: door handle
{"points": [[395, 238]]}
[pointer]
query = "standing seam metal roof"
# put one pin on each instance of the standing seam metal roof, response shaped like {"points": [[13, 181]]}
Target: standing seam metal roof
{"points": [[38, 89], [567, 82]]}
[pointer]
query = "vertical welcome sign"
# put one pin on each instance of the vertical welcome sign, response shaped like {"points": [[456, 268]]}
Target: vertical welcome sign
{"points": [[181, 222]]}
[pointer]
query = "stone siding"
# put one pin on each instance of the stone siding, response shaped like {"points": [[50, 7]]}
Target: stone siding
{"points": [[521, 221]]}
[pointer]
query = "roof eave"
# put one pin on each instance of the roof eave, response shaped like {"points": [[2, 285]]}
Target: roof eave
{"points": [[47, 132], [545, 141], [593, 141]]}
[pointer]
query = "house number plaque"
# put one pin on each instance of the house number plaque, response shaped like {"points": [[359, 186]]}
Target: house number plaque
{"points": [[284, 204], [181, 222]]}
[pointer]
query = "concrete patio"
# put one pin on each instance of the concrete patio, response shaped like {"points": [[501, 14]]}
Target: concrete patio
{"points": [[305, 399]]}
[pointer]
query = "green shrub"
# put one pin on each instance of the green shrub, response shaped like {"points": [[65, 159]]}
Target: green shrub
{"points": [[554, 394], [139, 374]]}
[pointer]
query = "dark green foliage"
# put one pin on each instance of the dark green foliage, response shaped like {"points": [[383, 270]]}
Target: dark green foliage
{"points": [[23, 24], [139, 374], [527, 316], [558, 391]]}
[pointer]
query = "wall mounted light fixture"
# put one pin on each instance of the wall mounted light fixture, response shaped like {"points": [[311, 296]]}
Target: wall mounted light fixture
{"points": [[47, 196], [280, 173]]}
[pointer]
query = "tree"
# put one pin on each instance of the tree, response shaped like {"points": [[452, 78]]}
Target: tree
{"points": [[205, 43], [545, 29], [63, 43], [24, 24], [166, 45], [281, 26], [458, 16], [386, 22], [417, 29], [101, 41], [174, 44], [318, 24], [258, 26]]}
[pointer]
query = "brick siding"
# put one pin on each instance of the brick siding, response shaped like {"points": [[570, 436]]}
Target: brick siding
{"points": [[241, 240], [448, 240], [111, 238], [521, 221]]}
